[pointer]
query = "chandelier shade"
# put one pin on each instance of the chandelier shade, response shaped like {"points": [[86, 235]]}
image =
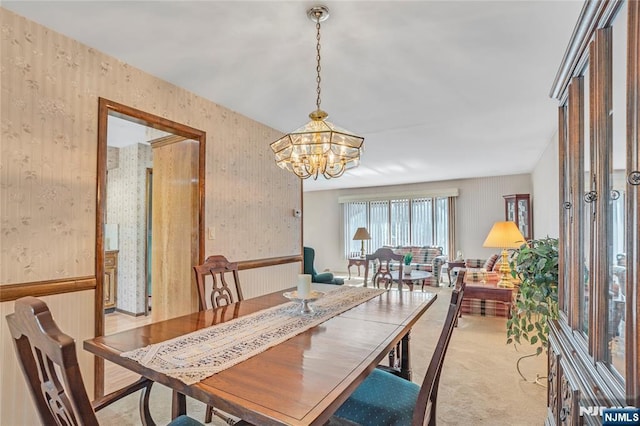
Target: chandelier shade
{"points": [[319, 147]]}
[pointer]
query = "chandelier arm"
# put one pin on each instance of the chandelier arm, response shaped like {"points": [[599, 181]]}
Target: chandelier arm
{"points": [[337, 174]]}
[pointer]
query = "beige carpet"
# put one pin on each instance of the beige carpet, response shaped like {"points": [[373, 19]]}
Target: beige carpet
{"points": [[479, 383]]}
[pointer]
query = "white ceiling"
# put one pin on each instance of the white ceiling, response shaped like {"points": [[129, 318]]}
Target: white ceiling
{"points": [[439, 89]]}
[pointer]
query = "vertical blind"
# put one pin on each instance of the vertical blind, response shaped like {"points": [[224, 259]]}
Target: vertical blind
{"points": [[419, 222]]}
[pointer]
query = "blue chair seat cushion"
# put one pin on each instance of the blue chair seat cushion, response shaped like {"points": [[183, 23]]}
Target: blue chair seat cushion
{"points": [[185, 421], [382, 399]]}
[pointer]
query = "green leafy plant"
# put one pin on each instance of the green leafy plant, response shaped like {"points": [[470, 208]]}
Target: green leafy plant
{"points": [[408, 258], [536, 265]]}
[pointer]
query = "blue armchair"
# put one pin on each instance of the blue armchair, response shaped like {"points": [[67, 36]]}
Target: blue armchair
{"points": [[309, 255]]}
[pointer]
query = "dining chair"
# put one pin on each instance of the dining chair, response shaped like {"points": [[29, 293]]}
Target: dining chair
{"points": [[385, 399], [219, 269], [382, 258], [222, 294], [49, 363]]}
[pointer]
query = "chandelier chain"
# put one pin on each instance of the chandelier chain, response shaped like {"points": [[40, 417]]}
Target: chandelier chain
{"points": [[318, 148], [318, 79]]}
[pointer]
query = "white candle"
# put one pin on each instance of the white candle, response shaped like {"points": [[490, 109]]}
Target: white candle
{"points": [[304, 286]]}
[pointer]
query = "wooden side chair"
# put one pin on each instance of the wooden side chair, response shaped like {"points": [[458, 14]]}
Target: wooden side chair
{"points": [[49, 363], [223, 292], [220, 270], [385, 399], [383, 257]]}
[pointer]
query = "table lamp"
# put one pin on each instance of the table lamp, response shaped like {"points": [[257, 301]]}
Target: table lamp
{"points": [[504, 235], [361, 235]]}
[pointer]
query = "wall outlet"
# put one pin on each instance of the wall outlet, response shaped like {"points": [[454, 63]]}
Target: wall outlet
{"points": [[212, 232]]}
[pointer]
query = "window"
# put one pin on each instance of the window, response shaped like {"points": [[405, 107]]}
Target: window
{"points": [[404, 221]]}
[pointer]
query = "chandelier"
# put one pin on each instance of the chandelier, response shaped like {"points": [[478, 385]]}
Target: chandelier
{"points": [[319, 147]]}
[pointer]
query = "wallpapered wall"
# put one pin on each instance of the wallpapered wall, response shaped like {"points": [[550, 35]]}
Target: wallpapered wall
{"points": [[50, 87], [126, 207], [48, 118]]}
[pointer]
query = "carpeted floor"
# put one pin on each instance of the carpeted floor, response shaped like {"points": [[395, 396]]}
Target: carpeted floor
{"points": [[479, 383]]}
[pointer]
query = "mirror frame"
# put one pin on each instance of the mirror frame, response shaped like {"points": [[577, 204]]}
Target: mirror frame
{"points": [[106, 108]]}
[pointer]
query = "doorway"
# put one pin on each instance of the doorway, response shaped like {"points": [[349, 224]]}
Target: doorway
{"points": [[177, 140]]}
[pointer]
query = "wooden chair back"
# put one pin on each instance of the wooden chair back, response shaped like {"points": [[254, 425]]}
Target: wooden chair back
{"points": [[425, 409], [48, 361], [460, 282], [222, 292], [383, 257]]}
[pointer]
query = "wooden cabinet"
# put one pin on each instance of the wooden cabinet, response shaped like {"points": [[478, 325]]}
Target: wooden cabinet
{"points": [[594, 346], [517, 208], [110, 279]]}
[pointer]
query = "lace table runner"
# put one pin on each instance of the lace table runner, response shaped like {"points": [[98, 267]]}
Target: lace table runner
{"points": [[203, 353]]}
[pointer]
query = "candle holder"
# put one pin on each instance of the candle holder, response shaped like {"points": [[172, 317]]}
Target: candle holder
{"points": [[305, 307]]}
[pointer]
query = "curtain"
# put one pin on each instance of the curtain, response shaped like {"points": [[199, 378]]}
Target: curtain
{"points": [[422, 222], [451, 221], [355, 216]]}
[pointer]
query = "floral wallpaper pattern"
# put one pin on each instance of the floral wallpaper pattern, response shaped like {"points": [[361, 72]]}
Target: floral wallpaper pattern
{"points": [[48, 123], [126, 207], [49, 89]]}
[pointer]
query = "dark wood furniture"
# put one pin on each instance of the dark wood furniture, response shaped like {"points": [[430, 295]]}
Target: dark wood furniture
{"points": [[222, 291], [412, 278], [517, 208], [110, 280], [453, 264], [370, 405], [222, 294], [382, 259], [48, 360], [594, 352], [490, 291], [356, 261], [298, 382]]}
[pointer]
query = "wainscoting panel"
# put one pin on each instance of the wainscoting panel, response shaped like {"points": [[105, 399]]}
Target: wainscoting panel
{"points": [[73, 312]]}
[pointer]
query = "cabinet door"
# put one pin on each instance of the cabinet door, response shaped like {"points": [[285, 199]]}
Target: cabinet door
{"points": [[587, 189], [517, 209], [615, 197], [524, 217], [511, 209]]}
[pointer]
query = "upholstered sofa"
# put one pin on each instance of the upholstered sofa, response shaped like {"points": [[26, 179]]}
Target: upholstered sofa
{"points": [[483, 273], [425, 258]]}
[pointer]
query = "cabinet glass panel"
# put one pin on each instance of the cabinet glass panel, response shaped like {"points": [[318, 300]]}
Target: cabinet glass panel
{"points": [[511, 210], [586, 219], [523, 217], [616, 255], [566, 213]]}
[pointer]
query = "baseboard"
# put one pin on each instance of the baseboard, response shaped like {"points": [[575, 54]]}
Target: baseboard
{"points": [[122, 311]]}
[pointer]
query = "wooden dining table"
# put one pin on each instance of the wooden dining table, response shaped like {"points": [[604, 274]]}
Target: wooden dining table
{"points": [[301, 381]]}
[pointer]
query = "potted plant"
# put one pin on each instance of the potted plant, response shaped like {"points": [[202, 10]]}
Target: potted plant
{"points": [[407, 263], [536, 265]]}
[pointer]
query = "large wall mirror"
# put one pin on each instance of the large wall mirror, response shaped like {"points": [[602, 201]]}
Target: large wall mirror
{"points": [[149, 227]]}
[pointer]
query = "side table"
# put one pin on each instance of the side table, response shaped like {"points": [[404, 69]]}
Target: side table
{"points": [[453, 264], [409, 279], [356, 261]]}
